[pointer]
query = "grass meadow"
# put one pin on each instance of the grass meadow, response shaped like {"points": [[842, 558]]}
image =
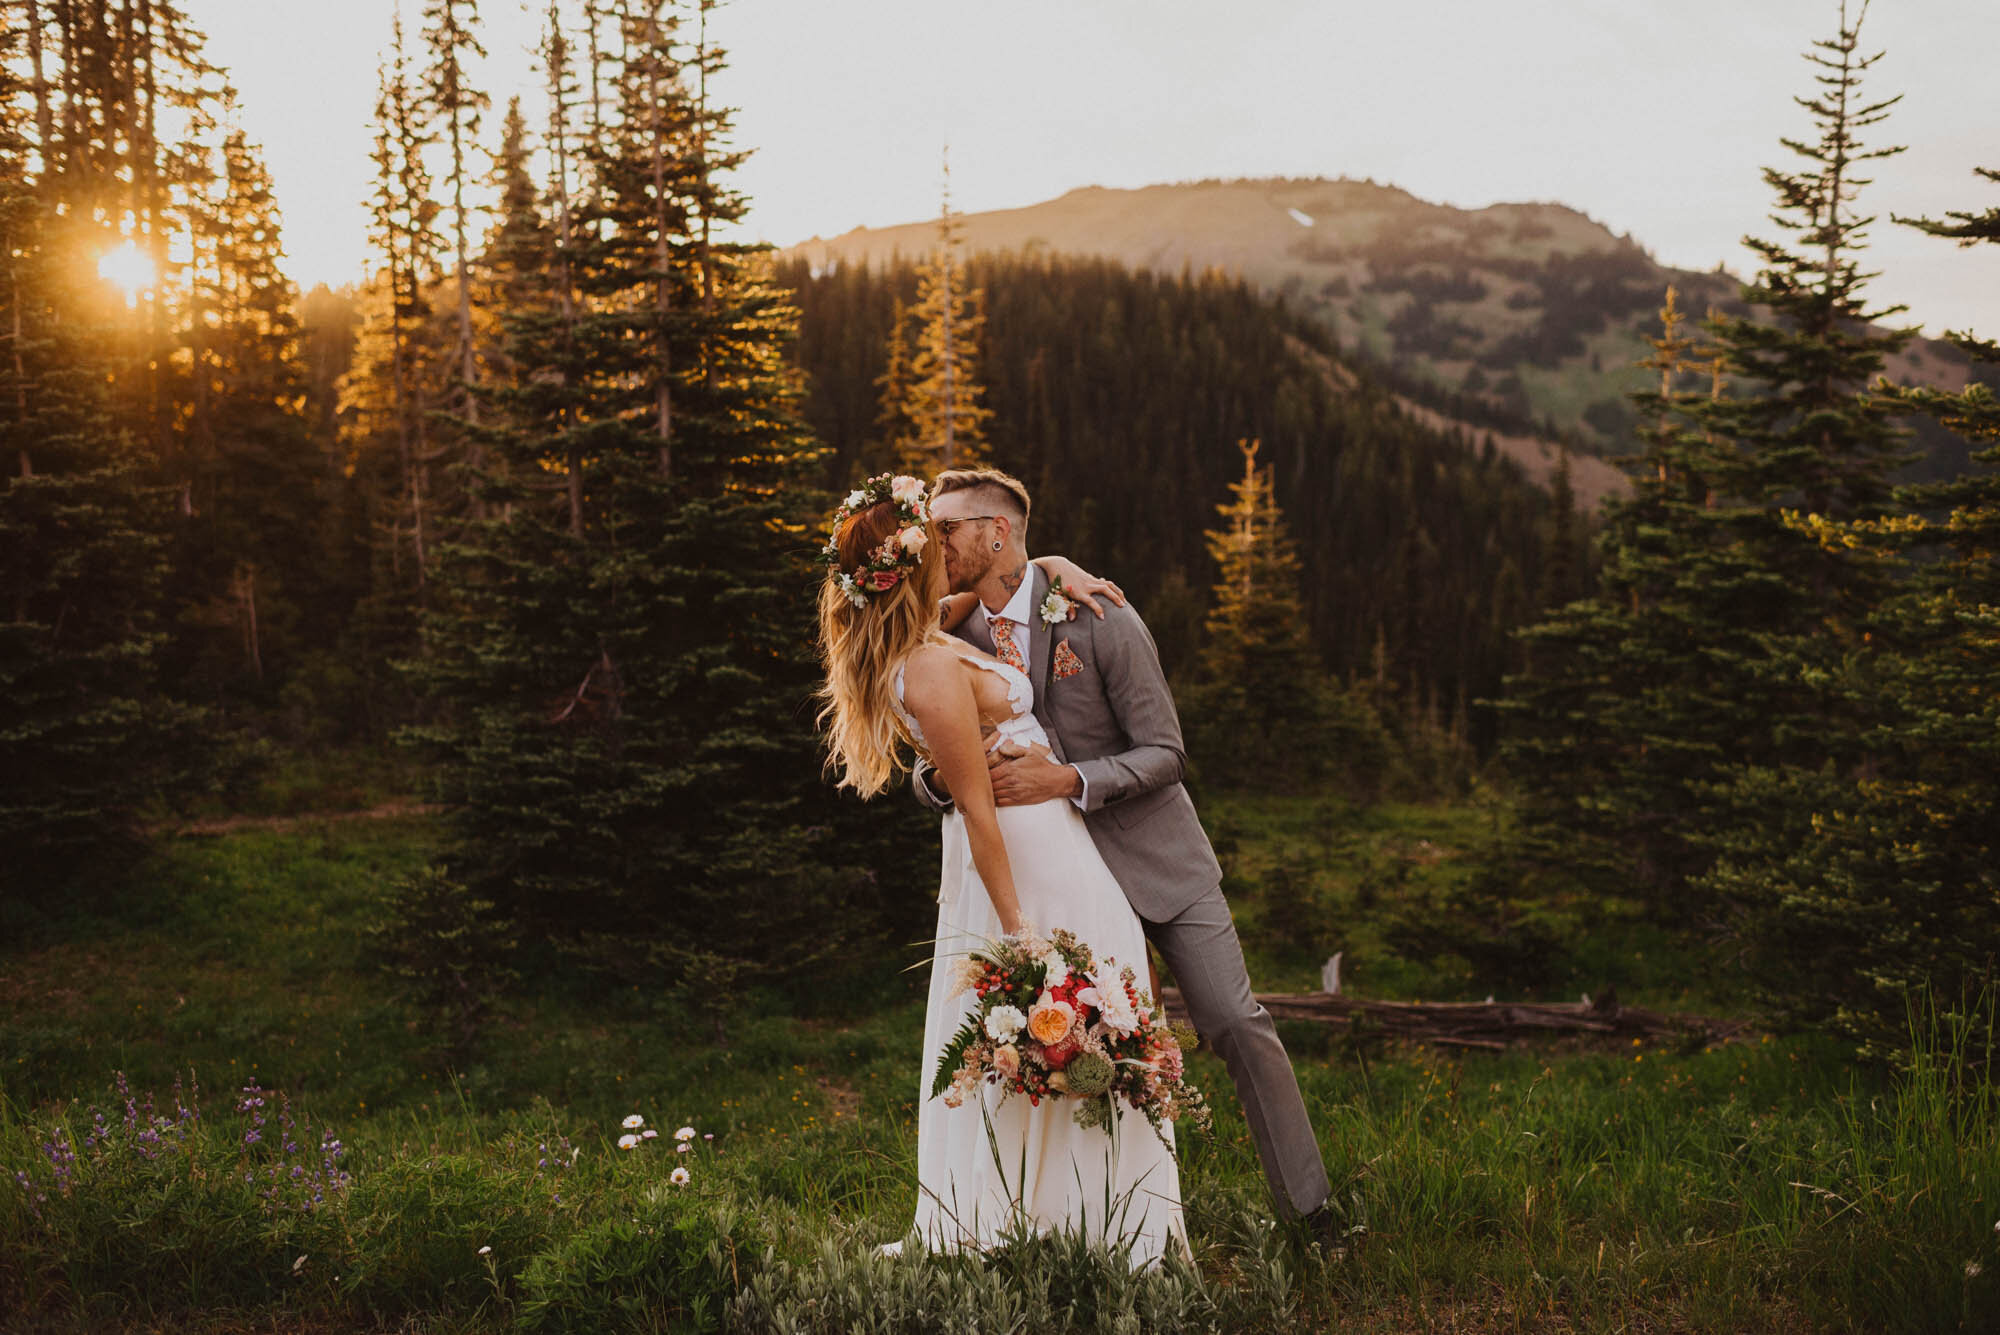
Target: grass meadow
{"points": [[215, 1116]]}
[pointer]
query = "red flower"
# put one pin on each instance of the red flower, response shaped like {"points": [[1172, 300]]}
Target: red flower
{"points": [[1058, 1055], [885, 579]]}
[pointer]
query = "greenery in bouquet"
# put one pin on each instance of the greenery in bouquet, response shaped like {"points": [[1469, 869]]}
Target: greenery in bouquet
{"points": [[1050, 1022]]}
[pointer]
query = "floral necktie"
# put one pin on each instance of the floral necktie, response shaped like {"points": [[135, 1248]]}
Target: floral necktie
{"points": [[1004, 647]]}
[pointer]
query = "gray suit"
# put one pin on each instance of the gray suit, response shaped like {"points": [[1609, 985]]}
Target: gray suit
{"points": [[1112, 716]]}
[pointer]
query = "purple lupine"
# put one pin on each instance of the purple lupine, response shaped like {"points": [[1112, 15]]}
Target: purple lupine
{"points": [[125, 1093]]}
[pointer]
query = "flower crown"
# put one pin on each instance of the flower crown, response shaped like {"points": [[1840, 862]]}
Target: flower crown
{"points": [[899, 553]]}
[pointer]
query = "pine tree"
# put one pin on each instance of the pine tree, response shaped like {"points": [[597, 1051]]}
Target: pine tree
{"points": [[1613, 732], [1888, 883], [451, 38], [1662, 705], [932, 394], [623, 646], [1264, 713], [398, 376], [1809, 453], [88, 735], [253, 475]]}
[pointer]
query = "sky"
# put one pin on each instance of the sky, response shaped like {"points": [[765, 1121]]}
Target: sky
{"points": [[1655, 117]]}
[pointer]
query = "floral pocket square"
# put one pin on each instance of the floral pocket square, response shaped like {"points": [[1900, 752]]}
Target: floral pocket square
{"points": [[1067, 663]]}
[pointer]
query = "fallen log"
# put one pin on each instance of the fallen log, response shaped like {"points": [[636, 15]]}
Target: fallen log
{"points": [[1490, 1025]]}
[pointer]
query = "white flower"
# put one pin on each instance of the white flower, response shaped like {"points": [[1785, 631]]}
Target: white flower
{"points": [[852, 590], [486, 1250], [685, 1133], [634, 1122], [679, 1177], [1973, 1269], [1115, 1006], [914, 538], [1003, 1023], [649, 1134], [855, 498], [906, 489], [627, 1142], [1056, 608], [1057, 966], [682, 1148], [1089, 996]]}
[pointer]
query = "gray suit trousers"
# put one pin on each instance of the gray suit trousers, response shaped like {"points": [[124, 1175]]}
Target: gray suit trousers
{"points": [[1199, 944]]}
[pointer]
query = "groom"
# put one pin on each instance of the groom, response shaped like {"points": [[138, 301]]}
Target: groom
{"points": [[1101, 696]]}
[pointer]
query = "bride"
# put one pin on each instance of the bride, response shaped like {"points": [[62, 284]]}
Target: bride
{"points": [[989, 1167]]}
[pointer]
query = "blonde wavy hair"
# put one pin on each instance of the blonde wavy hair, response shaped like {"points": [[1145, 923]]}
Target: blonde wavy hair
{"points": [[861, 648]]}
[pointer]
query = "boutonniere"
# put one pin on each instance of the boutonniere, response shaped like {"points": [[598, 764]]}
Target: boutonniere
{"points": [[1056, 605]]}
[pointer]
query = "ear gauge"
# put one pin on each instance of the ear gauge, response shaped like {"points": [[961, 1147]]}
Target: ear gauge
{"points": [[996, 546]]}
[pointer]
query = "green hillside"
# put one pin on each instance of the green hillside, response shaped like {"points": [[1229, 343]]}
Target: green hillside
{"points": [[1119, 396], [1523, 318]]}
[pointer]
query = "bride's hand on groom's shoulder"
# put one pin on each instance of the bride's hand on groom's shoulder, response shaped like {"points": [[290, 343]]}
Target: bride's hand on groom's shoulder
{"points": [[1080, 586]]}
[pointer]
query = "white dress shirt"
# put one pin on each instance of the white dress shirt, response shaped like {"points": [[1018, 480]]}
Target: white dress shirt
{"points": [[1021, 610]]}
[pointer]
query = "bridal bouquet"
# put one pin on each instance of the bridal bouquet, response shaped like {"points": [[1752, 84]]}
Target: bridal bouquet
{"points": [[1052, 1023]]}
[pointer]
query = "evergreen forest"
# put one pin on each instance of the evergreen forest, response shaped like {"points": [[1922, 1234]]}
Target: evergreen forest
{"points": [[411, 772]]}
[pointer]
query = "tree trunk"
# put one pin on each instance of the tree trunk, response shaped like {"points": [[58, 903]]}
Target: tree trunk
{"points": [[246, 592], [558, 64], [44, 122], [663, 296]]}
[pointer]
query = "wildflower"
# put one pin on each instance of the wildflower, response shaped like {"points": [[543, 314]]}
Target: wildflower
{"points": [[649, 1134], [711, 1136], [682, 1148], [679, 1177], [1973, 1269], [627, 1142], [487, 1250], [634, 1122], [686, 1133]]}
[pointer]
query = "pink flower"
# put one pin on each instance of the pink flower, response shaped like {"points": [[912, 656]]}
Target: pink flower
{"points": [[914, 538], [906, 489], [885, 579], [1007, 1060]]}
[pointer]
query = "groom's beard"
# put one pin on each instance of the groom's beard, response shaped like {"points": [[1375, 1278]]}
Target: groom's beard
{"points": [[968, 572]]}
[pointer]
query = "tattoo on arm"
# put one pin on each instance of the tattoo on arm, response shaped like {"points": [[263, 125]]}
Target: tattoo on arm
{"points": [[1012, 580]]}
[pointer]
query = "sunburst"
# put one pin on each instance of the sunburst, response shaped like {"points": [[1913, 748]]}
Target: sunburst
{"points": [[128, 269]]}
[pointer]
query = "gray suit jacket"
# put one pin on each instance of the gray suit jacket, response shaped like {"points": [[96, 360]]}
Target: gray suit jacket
{"points": [[1110, 714]]}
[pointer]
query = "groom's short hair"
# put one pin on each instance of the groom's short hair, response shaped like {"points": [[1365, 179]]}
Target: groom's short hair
{"points": [[1003, 491]]}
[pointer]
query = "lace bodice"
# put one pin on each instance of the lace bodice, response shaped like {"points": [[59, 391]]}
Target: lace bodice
{"points": [[1021, 726]]}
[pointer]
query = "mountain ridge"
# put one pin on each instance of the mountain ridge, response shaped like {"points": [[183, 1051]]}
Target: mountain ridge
{"points": [[1521, 321]]}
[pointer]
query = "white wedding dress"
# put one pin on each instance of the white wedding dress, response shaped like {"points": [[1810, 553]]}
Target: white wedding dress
{"points": [[989, 1167]]}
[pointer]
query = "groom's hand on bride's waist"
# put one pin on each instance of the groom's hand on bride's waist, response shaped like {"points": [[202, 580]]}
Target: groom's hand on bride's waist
{"points": [[1023, 780]]}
